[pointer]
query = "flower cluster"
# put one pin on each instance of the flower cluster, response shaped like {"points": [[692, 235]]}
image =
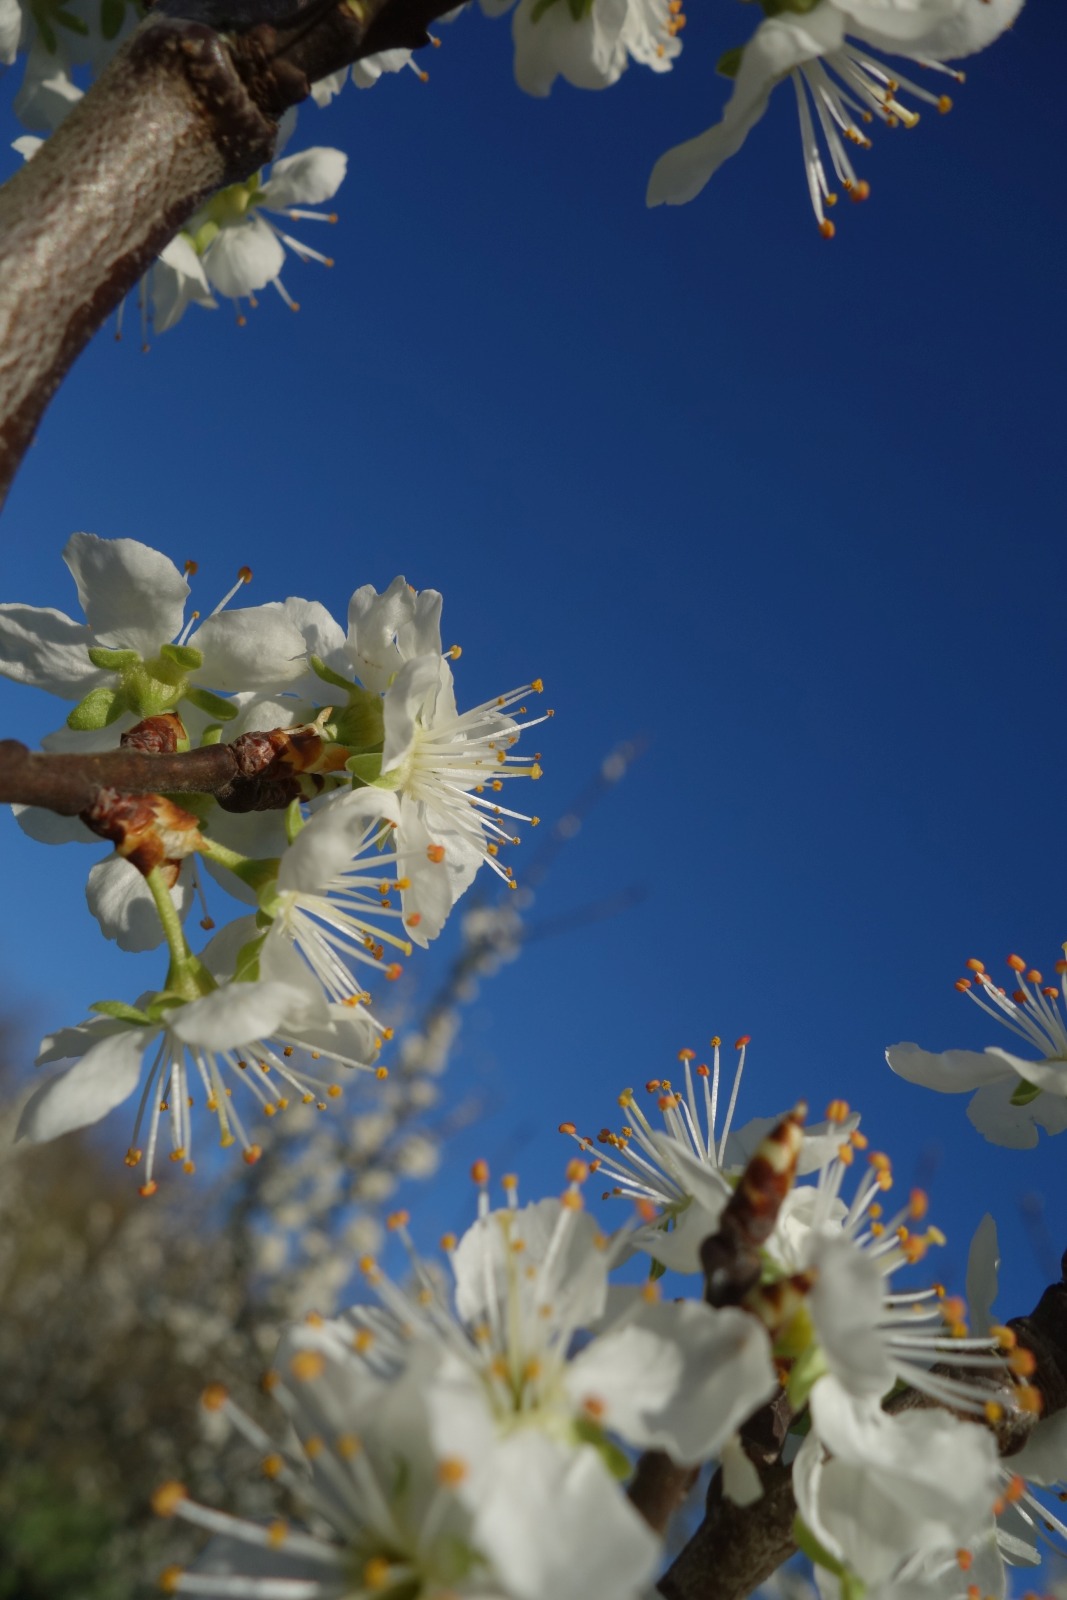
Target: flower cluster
{"points": [[377, 803], [469, 1431]]}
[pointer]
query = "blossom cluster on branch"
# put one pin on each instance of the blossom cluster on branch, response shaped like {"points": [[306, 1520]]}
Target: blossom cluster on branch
{"points": [[841, 56], [355, 827]]}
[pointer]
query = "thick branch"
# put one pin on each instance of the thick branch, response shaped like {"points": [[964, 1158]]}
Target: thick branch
{"points": [[167, 122], [182, 110]]}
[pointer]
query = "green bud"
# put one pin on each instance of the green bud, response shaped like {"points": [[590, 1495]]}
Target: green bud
{"points": [[212, 704], [112, 660], [729, 63], [99, 708], [184, 656], [122, 1012]]}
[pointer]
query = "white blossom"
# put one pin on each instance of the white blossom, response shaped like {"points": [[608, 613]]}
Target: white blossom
{"points": [[1016, 1095], [590, 45], [237, 1033], [832, 54]]}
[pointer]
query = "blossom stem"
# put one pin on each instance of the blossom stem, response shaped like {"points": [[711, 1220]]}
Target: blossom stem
{"points": [[257, 874], [181, 977]]}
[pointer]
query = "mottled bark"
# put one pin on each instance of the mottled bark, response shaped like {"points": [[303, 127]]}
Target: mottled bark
{"points": [[181, 111]]}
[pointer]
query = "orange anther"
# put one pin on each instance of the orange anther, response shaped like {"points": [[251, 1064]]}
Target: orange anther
{"points": [[567, 1127], [167, 1498], [1016, 963], [435, 852], [739, 1044], [214, 1397], [307, 1365], [480, 1172]]}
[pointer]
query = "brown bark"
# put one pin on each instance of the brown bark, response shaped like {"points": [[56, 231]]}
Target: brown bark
{"points": [[179, 112]]}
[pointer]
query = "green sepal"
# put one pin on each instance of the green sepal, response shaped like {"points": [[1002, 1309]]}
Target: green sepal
{"points": [[121, 1012], [112, 660], [328, 675], [1023, 1093], [579, 9], [294, 821], [212, 734], [164, 1002], [453, 1559], [539, 9], [259, 874], [183, 655], [99, 708], [656, 1270], [616, 1460], [203, 236], [729, 63], [246, 967], [111, 15], [361, 723], [44, 28], [368, 768], [212, 704]]}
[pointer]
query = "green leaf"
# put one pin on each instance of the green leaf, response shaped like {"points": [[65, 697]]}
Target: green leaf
{"points": [[328, 675], [122, 1012], [111, 15], [183, 655], [1024, 1092], [212, 704], [112, 660], [99, 707], [729, 63]]}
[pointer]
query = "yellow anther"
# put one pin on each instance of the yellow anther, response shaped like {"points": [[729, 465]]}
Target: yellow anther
{"points": [[277, 1533], [272, 1465], [214, 1397], [167, 1498], [376, 1573], [451, 1471], [307, 1365]]}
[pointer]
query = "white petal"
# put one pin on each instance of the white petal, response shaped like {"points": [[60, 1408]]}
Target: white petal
{"points": [[678, 1377], [434, 886], [1015, 1127], [325, 847], [322, 635], [931, 28], [323, 90], [121, 901], [678, 1249], [237, 1014], [10, 29], [1050, 1074], [48, 650], [374, 623], [740, 1480], [950, 1071], [553, 1522], [48, 827], [778, 45], [482, 1260], [244, 258], [306, 179], [133, 596], [252, 647], [104, 1077], [178, 280], [846, 1303], [983, 1262], [589, 53]]}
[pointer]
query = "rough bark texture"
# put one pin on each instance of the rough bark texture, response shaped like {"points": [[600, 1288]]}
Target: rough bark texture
{"points": [[181, 111], [166, 123]]}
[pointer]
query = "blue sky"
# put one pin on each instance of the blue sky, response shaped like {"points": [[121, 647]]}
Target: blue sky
{"points": [[791, 509]]}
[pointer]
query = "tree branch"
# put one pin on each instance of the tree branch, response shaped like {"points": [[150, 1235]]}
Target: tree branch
{"points": [[257, 772], [736, 1548], [180, 111]]}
